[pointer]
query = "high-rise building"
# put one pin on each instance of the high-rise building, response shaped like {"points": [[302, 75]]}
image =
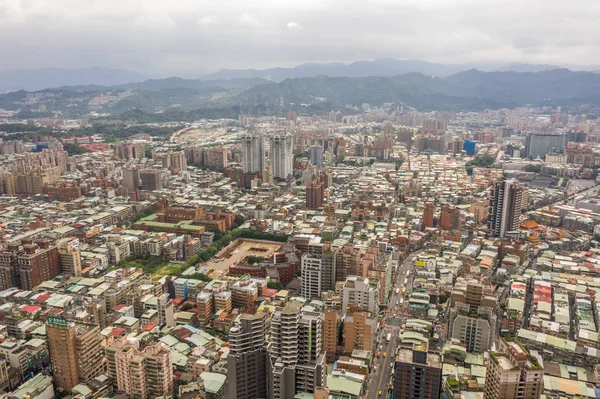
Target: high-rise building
{"points": [[159, 371], [7, 183], [247, 361], [348, 262], [31, 180], [144, 374], [428, 216], [39, 262], [361, 293], [475, 329], [9, 269], [540, 144], [204, 303], [131, 178], [472, 317], [311, 371], [316, 155], [469, 147], [283, 351], [480, 211], [161, 304], [215, 157], [75, 352], [315, 194], [70, 257], [331, 323], [253, 153], [281, 155], [359, 332], [417, 373], [318, 270], [457, 146], [506, 202], [297, 359], [513, 374], [151, 179], [267, 174], [129, 149], [11, 147], [178, 160], [450, 218], [129, 369]]}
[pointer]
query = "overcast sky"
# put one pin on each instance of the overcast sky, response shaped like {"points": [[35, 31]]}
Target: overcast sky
{"points": [[158, 36]]}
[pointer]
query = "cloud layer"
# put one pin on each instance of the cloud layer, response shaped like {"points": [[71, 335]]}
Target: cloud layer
{"points": [[185, 35]]}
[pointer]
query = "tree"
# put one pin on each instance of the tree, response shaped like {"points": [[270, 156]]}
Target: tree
{"points": [[186, 306], [251, 259], [274, 285], [327, 237], [200, 276], [74, 149], [484, 161], [399, 164], [238, 220], [443, 298], [142, 214]]}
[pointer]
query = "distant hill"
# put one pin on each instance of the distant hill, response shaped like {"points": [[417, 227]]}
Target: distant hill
{"points": [[378, 67], [39, 79], [190, 99], [462, 91], [90, 79], [520, 67], [169, 83], [153, 95]]}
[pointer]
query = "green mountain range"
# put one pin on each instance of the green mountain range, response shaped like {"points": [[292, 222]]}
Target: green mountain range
{"points": [[189, 98]]}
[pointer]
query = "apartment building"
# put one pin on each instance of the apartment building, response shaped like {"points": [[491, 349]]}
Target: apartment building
{"points": [[75, 352], [247, 361], [361, 293], [359, 332], [417, 373], [513, 374], [146, 373]]}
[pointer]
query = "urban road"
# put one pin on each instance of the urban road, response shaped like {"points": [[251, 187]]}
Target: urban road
{"points": [[393, 319]]}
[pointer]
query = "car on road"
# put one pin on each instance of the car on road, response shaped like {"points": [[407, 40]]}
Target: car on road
{"points": [[379, 393], [384, 354]]}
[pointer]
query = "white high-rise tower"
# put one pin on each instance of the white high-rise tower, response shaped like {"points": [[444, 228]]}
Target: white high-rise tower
{"points": [[282, 155], [253, 153]]}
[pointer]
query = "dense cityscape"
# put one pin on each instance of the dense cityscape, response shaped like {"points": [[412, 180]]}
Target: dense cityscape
{"points": [[375, 254]]}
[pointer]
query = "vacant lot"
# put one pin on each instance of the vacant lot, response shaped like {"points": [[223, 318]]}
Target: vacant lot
{"points": [[240, 249]]}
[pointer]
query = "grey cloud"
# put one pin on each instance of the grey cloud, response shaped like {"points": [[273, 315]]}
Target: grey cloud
{"points": [[166, 36]]}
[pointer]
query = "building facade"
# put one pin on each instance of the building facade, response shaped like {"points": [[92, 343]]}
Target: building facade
{"points": [[281, 155], [506, 201], [253, 153], [247, 361], [513, 374], [417, 374]]}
